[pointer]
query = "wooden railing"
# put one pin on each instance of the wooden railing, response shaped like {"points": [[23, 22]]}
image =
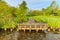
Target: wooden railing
{"points": [[37, 26], [34, 26]]}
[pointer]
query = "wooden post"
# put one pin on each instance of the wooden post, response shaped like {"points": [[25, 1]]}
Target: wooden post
{"points": [[59, 30], [5, 29], [18, 28], [53, 29], [30, 29], [40, 27], [49, 30], [11, 29], [24, 28], [36, 28]]}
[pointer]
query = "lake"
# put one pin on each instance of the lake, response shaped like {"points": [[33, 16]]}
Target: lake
{"points": [[8, 35]]}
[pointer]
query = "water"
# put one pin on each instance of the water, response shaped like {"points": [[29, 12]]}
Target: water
{"points": [[7, 35]]}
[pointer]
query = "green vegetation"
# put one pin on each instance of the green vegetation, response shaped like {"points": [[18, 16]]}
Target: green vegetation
{"points": [[11, 16], [52, 21]]}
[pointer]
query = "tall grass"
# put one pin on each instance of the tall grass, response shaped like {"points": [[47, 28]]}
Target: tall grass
{"points": [[52, 21]]}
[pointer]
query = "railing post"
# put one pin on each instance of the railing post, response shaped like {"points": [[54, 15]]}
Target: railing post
{"points": [[40, 27], [18, 27], [5, 29], [36, 28], [11, 29], [59, 29], [30, 29], [24, 28], [49, 30], [53, 30]]}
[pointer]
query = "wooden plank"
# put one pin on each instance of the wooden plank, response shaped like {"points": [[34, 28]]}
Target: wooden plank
{"points": [[32, 26]]}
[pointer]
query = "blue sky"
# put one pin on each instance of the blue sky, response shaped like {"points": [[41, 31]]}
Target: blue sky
{"points": [[32, 4]]}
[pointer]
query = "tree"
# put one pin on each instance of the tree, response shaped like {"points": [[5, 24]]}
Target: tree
{"points": [[6, 17], [21, 12], [53, 7], [51, 10]]}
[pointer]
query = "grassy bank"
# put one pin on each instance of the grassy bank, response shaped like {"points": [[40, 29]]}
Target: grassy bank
{"points": [[52, 21]]}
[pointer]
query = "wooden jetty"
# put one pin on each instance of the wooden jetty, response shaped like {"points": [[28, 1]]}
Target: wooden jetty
{"points": [[36, 26], [32, 26]]}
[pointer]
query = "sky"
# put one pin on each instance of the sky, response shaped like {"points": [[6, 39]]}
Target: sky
{"points": [[32, 4]]}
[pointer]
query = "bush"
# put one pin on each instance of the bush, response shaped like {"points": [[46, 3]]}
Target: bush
{"points": [[52, 21]]}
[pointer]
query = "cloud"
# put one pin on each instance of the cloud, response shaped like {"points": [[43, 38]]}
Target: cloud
{"points": [[32, 4]]}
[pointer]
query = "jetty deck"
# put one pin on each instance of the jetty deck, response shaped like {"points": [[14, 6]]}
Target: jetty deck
{"points": [[32, 26]]}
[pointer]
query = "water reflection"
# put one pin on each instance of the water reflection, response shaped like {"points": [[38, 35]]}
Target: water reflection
{"points": [[7, 35], [31, 36]]}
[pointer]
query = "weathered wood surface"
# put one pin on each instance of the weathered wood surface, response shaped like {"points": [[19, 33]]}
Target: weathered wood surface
{"points": [[32, 26]]}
